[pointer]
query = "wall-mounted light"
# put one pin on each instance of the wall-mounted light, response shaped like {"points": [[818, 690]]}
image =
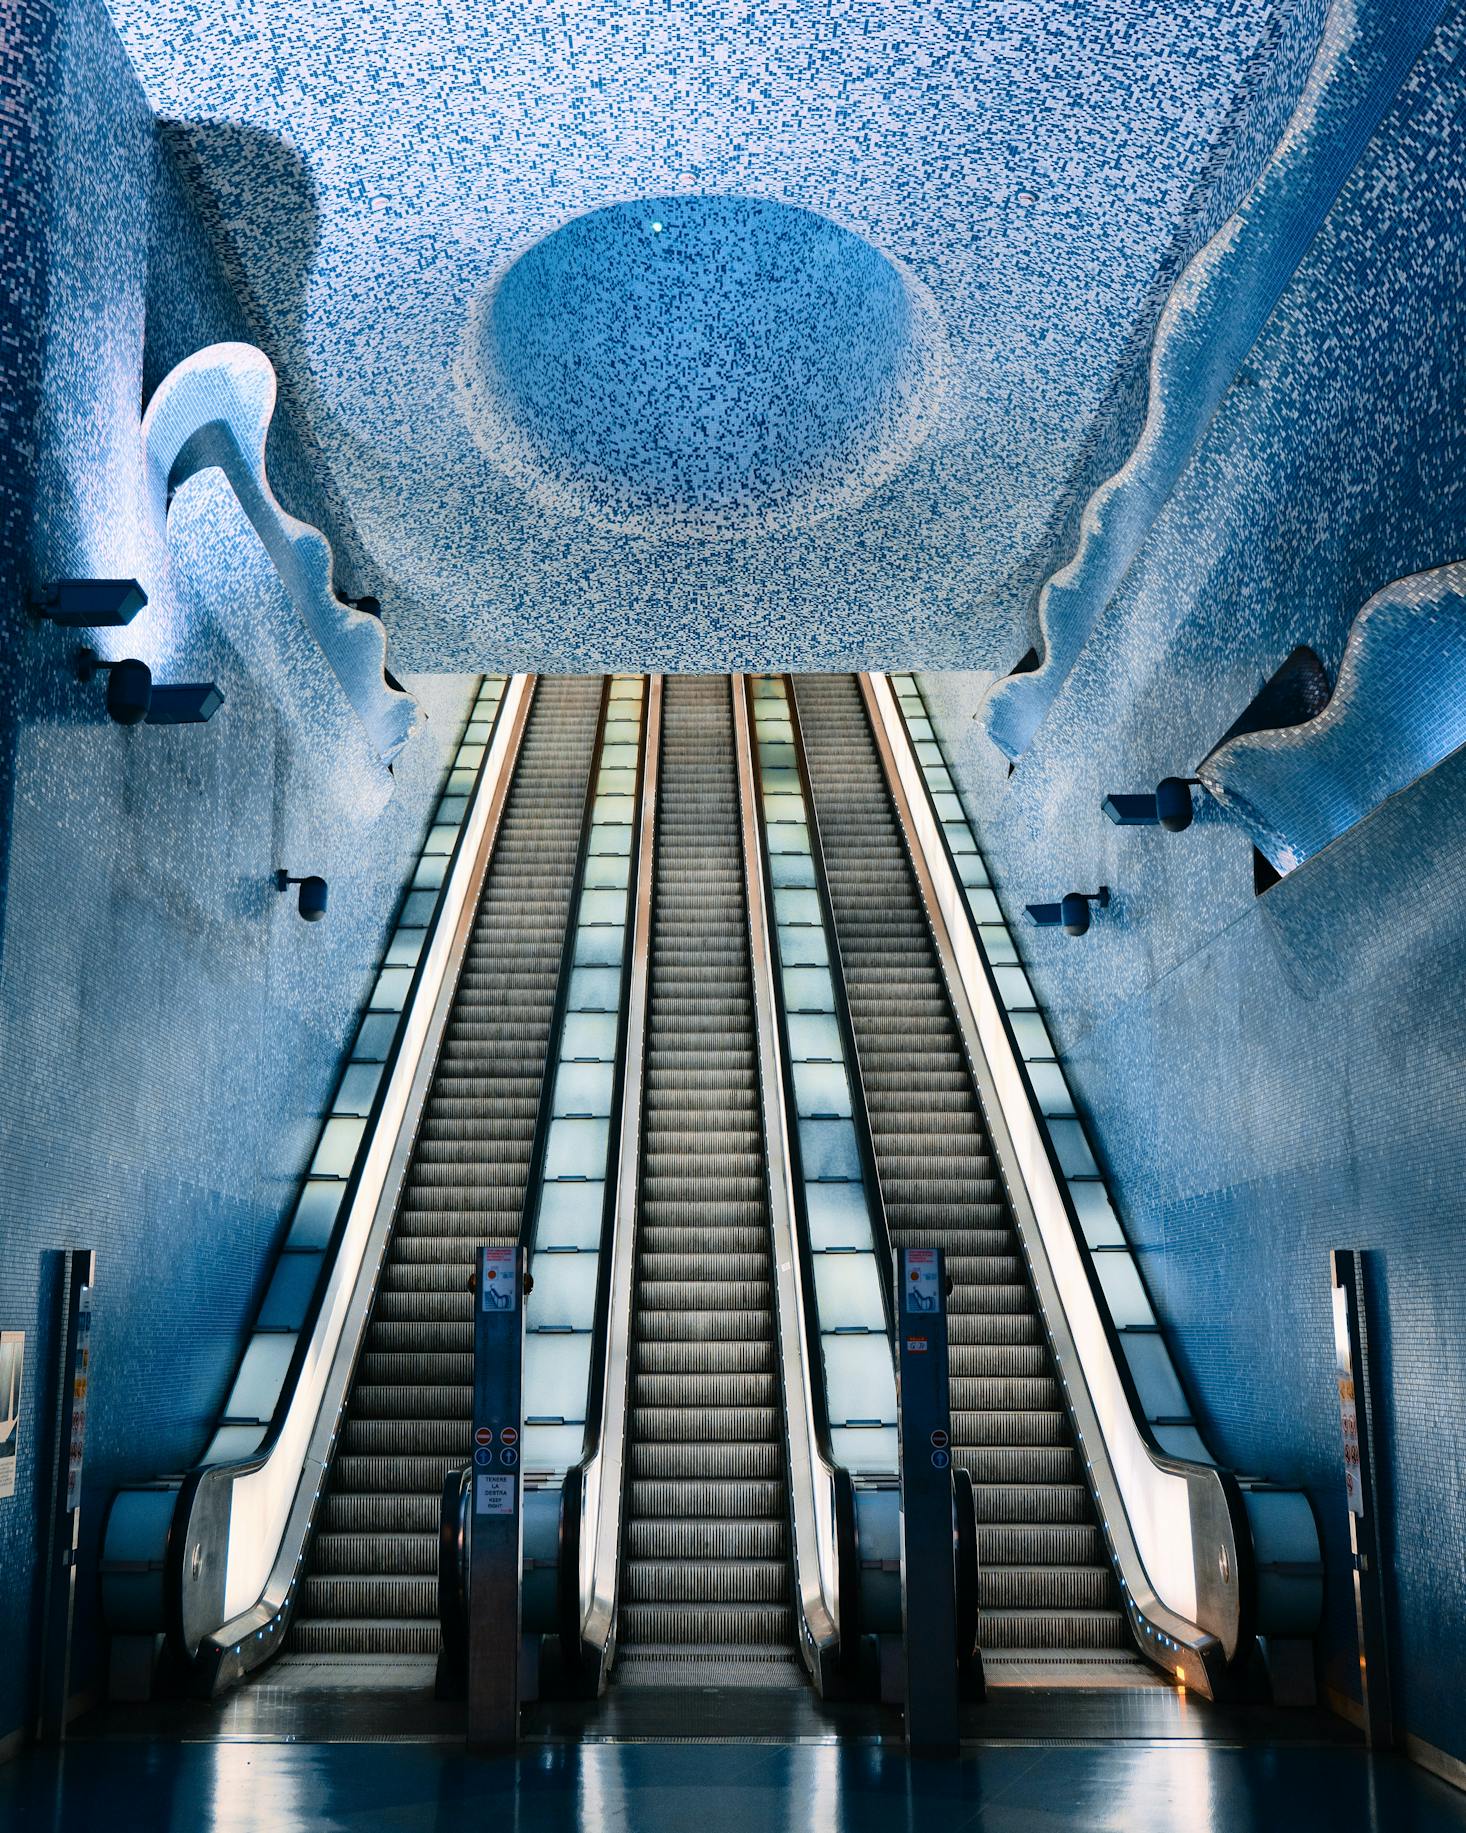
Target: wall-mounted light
{"points": [[89, 604], [133, 698], [1170, 806], [1071, 913], [313, 893]]}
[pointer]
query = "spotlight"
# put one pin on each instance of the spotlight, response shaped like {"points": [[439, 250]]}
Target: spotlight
{"points": [[1071, 913], [313, 893], [89, 604], [1170, 806], [132, 697]]}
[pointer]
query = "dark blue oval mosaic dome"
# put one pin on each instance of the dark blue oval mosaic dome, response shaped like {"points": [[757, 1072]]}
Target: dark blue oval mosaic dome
{"points": [[703, 360]]}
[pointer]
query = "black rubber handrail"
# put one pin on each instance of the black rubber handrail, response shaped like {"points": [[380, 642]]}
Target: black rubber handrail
{"points": [[847, 1551], [572, 1490], [530, 1215], [860, 1114]]}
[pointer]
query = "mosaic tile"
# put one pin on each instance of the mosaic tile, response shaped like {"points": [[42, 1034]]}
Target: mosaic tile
{"points": [[374, 179], [1270, 1077], [169, 1027], [1396, 711]]}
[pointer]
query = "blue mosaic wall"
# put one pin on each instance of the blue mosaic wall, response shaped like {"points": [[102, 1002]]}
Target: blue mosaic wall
{"points": [[1270, 1077], [1033, 176], [168, 1025]]}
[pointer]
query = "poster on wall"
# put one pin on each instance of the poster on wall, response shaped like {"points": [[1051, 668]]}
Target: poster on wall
{"points": [[12, 1362]]}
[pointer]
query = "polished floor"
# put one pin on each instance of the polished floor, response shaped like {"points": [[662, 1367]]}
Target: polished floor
{"points": [[294, 1753], [1164, 1787]]}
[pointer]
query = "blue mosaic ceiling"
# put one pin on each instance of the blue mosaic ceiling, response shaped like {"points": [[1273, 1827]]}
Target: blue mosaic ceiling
{"points": [[713, 336]]}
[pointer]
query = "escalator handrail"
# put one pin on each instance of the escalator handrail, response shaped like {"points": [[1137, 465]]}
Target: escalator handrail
{"points": [[404, 1084], [823, 1561], [860, 1113], [1212, 1492], [534, 1188], [594, 1488]]}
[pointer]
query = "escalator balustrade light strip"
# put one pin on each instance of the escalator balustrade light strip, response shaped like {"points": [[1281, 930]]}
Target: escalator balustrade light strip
{"points": [[345, 1132], [850, 1308], [569, 1205], [1152, 1371]]}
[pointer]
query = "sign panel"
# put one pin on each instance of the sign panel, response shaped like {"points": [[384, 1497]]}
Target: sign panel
{"points": [[80, 1380], [496, 1551], [1348, 1405], [923, 1292], [928, 1589], [493, 1495], [12, 1367], [500, 1278]]}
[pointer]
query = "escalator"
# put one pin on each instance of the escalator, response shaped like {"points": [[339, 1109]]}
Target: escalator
{"points": [[1046, 1588], [705, 1563], [371, 1585], [695, 894]]}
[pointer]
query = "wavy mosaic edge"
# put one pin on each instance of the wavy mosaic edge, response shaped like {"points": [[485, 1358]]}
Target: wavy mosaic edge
{"points": [[1391, 718], [1213, 316], [214, 409]]}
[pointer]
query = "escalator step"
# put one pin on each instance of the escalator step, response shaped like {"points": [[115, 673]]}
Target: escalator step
{"points": [[719, 1578], [699, 1625], [1053, 1629], [708, 1537]]}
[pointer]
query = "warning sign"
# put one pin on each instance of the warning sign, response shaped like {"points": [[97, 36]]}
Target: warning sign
{"points": [[921, 1280], [500, 1284], [493, 1495]]}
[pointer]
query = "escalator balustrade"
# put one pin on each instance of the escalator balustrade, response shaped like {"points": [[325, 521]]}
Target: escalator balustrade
{"points": [[1046, 1586], [371, 1586]]}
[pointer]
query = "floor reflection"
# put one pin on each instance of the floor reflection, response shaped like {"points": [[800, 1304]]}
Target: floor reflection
{"points": [[1017, 1787]]}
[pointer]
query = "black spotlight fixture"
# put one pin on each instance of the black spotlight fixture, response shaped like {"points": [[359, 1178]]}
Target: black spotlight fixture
{"points": [[89, 604], [1170, 806], [1071, 913], [313, 893], [133, 698]]}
